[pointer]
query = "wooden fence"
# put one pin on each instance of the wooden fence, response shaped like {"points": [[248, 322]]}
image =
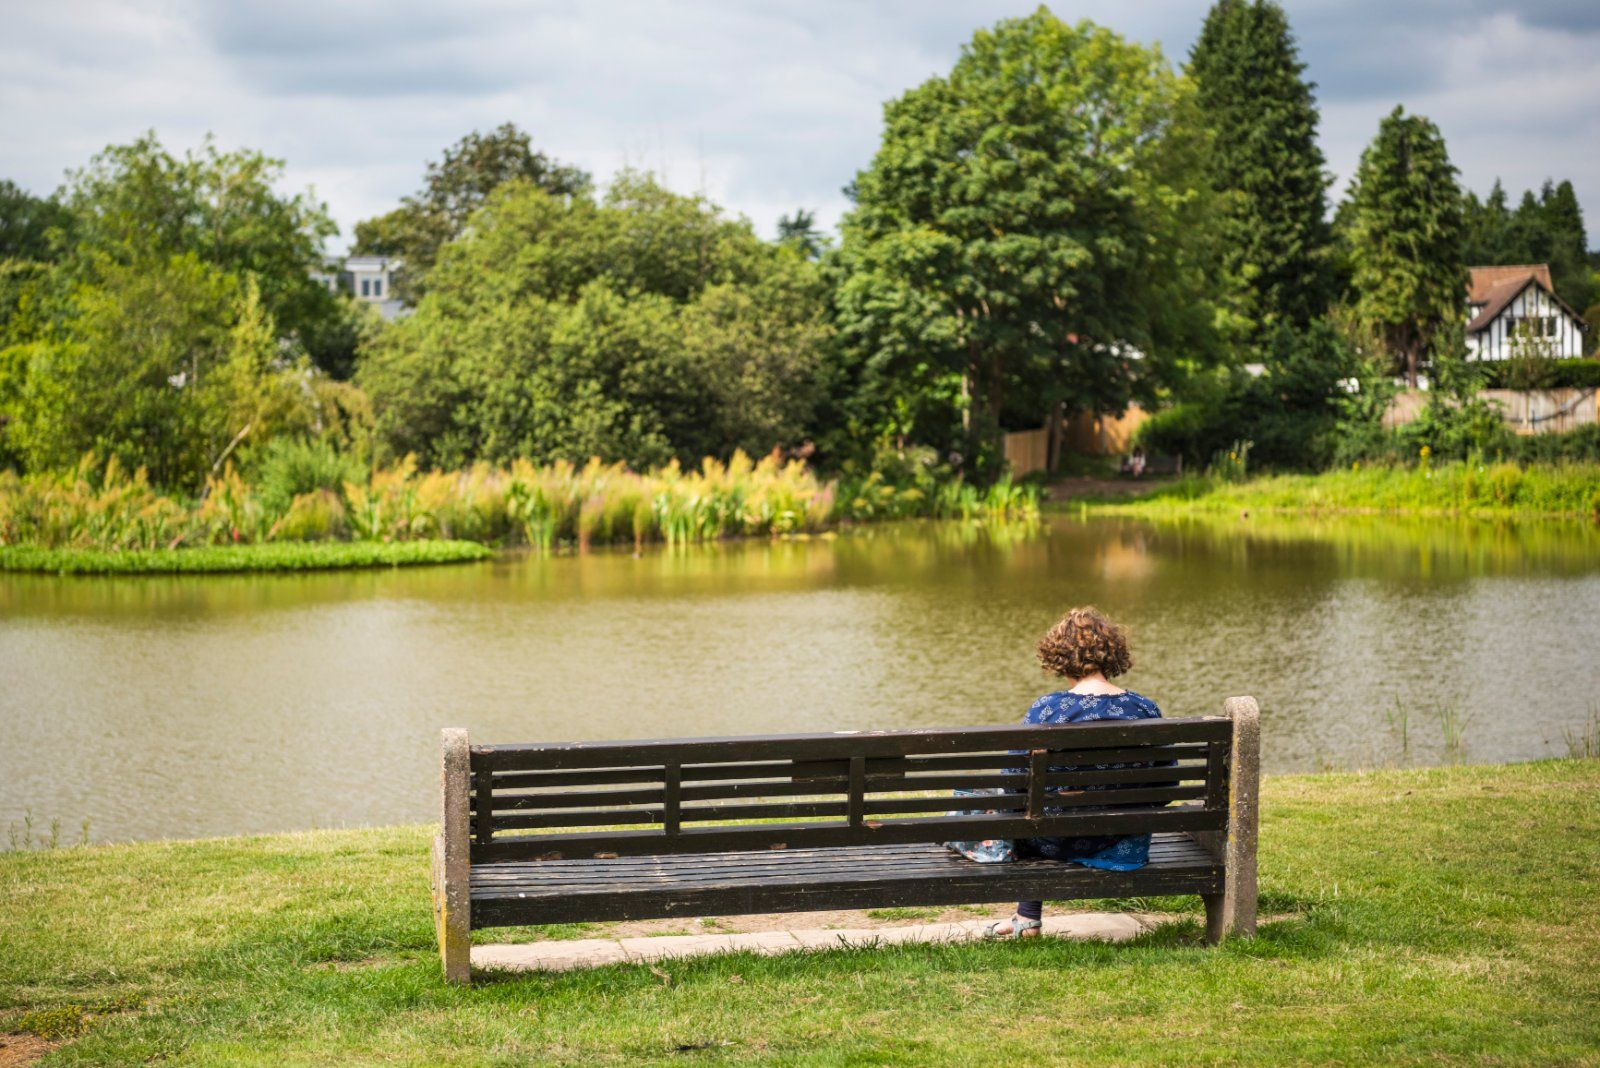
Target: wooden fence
{"points": [[1526, 411], [1087, 433]]}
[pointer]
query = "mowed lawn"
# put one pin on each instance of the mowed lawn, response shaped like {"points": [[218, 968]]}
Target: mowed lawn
{"points": [[1418, 916]]}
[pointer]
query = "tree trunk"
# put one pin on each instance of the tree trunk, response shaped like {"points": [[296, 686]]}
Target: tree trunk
{"points": [[1052, 438]]}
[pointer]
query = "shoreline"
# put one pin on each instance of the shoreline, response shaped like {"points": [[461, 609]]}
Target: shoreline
{"points": [[1444, 491]]}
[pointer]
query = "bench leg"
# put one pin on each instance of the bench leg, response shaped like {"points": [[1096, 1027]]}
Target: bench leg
{"points": [[452, 900]]}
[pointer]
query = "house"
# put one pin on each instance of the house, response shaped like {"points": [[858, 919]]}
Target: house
{"points": [[369, 279], [1503, 300]]}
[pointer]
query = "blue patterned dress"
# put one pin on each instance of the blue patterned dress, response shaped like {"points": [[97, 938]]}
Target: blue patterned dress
{"points": [[1110, 852]]}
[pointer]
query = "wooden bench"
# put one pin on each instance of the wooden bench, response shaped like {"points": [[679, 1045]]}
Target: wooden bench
{"points": [[590, 831]]}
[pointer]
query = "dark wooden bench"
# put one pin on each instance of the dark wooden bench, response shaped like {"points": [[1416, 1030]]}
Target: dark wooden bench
{"points": [[589, 831]]}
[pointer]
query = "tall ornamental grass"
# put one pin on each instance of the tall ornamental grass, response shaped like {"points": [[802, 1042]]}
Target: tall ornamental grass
{"points": [[310, 497]]}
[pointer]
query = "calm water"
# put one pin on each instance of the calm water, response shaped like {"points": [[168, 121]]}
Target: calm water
{"points": [[178, 707]]}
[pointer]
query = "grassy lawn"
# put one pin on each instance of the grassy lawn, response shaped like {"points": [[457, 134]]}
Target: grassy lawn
{"points": [[1491, 490], [215, 559], [1422, 916]]}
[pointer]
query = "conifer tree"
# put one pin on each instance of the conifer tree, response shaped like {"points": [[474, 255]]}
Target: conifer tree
{"points": [[1265, 160], [1407, 240]]}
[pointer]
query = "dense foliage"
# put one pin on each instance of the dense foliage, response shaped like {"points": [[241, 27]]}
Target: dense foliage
{"points": [[1030, 234], [1265, 162], [454, 188], [644, 326]]}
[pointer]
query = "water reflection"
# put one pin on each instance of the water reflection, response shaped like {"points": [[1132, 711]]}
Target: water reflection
{"points": [[186, 706]]}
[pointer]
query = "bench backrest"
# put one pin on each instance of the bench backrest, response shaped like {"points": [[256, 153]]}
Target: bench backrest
{"points": [[598, 799]]}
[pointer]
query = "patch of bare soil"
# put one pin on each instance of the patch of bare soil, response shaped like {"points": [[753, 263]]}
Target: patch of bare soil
{"points": [[17, 1051]]}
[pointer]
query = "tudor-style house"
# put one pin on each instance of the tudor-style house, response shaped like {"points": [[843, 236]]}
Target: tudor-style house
{"points": [[1505, 303]]}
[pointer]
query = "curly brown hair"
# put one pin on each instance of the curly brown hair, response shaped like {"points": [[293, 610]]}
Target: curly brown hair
{"points": [[1083, 642]]}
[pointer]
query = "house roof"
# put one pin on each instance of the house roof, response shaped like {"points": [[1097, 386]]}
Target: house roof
{"points": [[1490, 289], [1481, 280]]}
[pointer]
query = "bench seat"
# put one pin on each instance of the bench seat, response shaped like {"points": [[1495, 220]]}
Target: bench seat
{"points": [[802, 880]]}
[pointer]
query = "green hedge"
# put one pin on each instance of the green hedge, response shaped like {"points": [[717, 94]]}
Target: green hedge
{"points": [[212, 559]]}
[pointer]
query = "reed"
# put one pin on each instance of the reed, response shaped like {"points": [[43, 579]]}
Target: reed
{"points": [[540, 506]]}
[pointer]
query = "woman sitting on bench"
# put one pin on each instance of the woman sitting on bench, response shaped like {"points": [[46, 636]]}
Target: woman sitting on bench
{"points": [[1088, 650]]}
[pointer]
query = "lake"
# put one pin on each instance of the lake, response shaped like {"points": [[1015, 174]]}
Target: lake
{"points": [[192, 706]]}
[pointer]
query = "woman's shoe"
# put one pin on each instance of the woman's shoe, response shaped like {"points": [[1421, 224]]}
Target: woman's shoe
{"points": [[1018, 926]]}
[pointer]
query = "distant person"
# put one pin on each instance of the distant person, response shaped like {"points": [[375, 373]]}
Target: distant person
{"points": [[1088, 650], [1136, 463]]}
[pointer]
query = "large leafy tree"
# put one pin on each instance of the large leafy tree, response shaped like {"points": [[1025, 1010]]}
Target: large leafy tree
{"points": [[642, 327], [1406, 241], [138, 201], [1265, 162], [1024, 238], [453, 188]]}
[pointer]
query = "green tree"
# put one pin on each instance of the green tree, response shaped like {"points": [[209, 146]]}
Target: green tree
{"points": [[1487, 225], [1406, 242], [1027, 236], [1264, 160], [139, 202], [27, 223], [1568, 245], [800, 230], [643, 327], [165, 364], [452, 189]]}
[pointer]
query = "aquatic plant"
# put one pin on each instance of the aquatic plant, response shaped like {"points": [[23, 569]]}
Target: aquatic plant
{"points": [[310, 498]]}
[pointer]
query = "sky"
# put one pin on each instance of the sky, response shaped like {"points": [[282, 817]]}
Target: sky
{"points": [[764, 106]]}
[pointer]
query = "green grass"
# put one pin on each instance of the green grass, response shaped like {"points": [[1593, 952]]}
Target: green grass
{"points": [[273, 556], [1433, 916], [1569, 490]]}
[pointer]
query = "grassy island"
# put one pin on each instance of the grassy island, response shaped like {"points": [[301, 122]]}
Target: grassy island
{"points": [[220, 559], [1412, 916]]}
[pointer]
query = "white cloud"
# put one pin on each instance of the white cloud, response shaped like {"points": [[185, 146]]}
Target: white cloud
{"points": [[764, 106]]}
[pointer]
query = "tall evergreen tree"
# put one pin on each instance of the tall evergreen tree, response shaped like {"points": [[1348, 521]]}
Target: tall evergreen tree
{"points": [[1407, 240], [1251, 87], [1568, 245]]}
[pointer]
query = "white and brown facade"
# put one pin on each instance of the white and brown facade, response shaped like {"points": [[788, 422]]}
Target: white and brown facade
{"points": [[1512, 302]]}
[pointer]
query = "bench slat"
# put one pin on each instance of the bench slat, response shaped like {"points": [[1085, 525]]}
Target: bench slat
{"points": [[1080, 736], [817, 835]]}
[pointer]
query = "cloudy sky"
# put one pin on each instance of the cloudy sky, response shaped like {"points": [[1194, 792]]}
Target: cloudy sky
{"points": [[766, 106]]}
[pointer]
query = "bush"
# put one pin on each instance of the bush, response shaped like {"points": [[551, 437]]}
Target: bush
{"points": [[288, 469]]}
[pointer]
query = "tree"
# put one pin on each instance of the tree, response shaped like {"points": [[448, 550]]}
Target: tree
{"points": [[1027, 236], [27, 223], [165, 364], [1264, 160], [1568, 245], [138, 202], [800, 230], [452, 189], [1407, 240], [644, 327]]}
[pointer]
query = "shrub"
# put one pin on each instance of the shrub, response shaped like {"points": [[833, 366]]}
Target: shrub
{"points": [[289, 468]]}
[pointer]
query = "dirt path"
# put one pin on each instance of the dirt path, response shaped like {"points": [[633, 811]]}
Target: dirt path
{"points": [[1068, 488]]}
